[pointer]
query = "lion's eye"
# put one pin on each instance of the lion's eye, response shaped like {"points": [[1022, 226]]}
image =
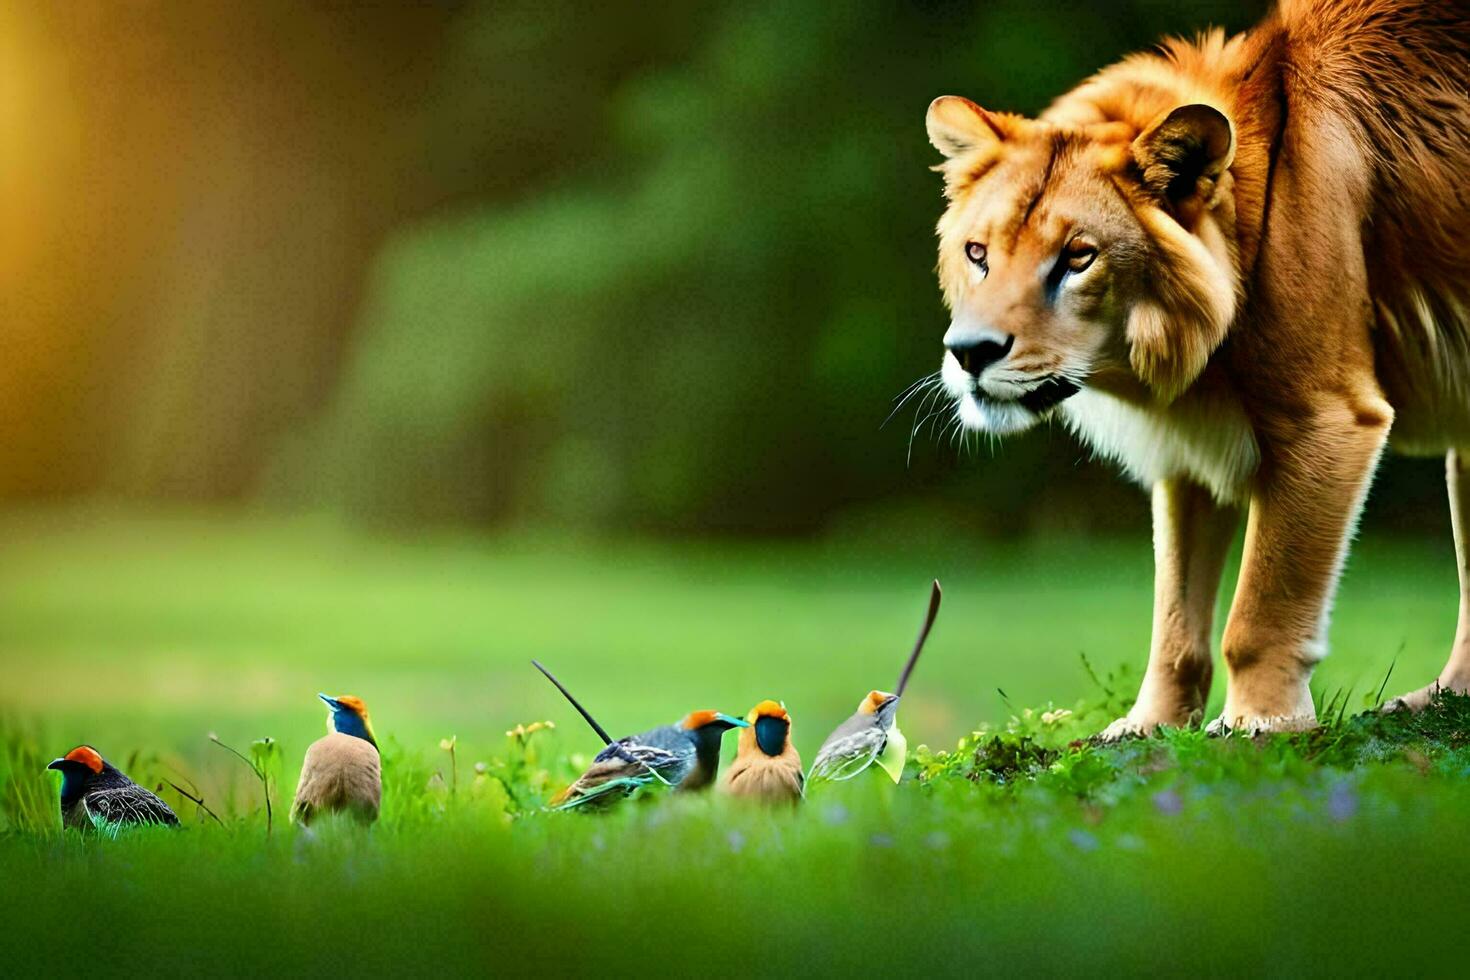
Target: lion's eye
{"points": [[975, 252], [1080, 255]]}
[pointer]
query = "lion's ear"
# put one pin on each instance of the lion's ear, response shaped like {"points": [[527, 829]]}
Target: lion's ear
{"points": [[1182, 154], [956, 126]]}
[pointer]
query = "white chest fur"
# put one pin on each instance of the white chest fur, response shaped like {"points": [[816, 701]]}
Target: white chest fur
{"points": [[1207, 439]]}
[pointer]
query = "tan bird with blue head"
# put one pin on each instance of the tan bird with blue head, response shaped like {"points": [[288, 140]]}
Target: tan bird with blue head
{"points": [[342, 772], [767, 766]]}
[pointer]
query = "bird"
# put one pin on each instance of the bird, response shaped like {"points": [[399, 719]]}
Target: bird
{"points": [[871, 735], [767, 766], [95, 795], [684, 756], [342, 772]]}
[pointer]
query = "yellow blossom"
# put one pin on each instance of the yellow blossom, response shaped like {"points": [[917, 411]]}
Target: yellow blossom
{"points": [[521, 731]]}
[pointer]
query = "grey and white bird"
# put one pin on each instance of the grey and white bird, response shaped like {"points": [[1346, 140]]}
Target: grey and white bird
{"points": [[871, 735]]}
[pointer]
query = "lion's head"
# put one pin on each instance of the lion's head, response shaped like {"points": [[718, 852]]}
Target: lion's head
{"points": [[1096, 255]]}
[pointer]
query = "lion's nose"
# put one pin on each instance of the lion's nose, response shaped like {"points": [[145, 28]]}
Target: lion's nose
{"points": [[977, 355]]}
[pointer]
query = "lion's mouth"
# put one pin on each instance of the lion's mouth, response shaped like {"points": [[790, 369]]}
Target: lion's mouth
{"points": [[981, 408], [978, 409], [1048, 395]]}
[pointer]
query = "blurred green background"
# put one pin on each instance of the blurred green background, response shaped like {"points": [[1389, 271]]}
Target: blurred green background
{"points": [[627, 266], [582, 320], [379, 347]]}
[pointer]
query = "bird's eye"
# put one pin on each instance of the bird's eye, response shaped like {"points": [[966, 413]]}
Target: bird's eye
{"points": [[975, 252], [1079, 255]]}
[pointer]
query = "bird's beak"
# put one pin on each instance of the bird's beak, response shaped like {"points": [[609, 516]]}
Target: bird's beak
{"points": [[56, 763], [887, 710], [331, 702], [733, 722]]}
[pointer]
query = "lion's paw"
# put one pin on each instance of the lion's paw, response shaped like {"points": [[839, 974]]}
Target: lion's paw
{"points": [[1416, 701], [1252, 725], [1145, 723], [1125, 728]]}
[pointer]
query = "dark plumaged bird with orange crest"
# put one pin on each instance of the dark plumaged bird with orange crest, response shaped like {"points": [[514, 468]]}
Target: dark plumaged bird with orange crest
{"points": [[767, 766], [872, 735], [342, 772], [684, 756], [95, 795]]}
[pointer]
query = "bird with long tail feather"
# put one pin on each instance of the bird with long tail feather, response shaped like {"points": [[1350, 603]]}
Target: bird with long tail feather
{"points": [[872, 736], [683, 756]]}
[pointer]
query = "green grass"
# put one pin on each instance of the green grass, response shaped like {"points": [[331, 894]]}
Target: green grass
{"points": [[1009, 850]]}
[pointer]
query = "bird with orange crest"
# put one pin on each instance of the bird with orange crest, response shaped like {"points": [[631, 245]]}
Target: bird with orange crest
{"points": [[342, 772], [96, 796], [871, 735], [683, 756], [767, 766]]}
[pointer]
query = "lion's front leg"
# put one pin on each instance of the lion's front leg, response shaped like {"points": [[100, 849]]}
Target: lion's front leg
{"points": [[1314, 476], [1192, 535]]}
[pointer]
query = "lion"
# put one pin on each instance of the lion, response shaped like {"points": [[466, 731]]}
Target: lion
{"points": [[1233, 266]]}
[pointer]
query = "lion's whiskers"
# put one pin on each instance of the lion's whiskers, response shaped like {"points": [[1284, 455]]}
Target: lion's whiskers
{"points": [[903, 397], [928, 409]]}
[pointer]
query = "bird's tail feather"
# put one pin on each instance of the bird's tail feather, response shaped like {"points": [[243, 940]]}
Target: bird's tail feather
{"points": [[935, 594], [601, 732], [625, 786]]}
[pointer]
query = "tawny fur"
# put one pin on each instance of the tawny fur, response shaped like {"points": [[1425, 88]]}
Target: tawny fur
{"points": [[341, 773], [1248, 340]]}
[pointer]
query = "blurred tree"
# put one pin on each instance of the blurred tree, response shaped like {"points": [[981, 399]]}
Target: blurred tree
{"points": [[193, 195], [650, 265]]}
